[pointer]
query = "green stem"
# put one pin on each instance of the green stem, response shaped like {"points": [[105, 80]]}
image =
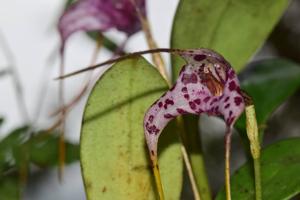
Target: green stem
{"points": [[252, 133], [187, 159], [192, 141], [227, 163], [258, 191]]}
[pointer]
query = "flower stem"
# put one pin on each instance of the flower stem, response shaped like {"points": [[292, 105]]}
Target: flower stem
{"points": [[227, 163], [16, 79], [156, 173], [156, 57], [61, 144], [258, 191], [186, 159]]}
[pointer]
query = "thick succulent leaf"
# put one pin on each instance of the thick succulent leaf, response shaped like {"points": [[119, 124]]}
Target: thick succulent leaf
{"points": [[114, 157], [9, 188], [269, 83], [235, 28], [206, 84], [43, 150], [280, 166]]}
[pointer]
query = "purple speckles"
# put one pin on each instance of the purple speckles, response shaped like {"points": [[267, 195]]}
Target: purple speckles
{"points": [[181, 111], [214, 101], [230, 113], [206, 99], [152, 129], [189, 78], [186, 96], [192, 105], [168, 116], [231, 74], [184, 90], [226, 99], [227, 106], [199, 57], [160, 104], [238, 100], [200, 111], [169, 101], [216, 109], [151, 118], [232, 86], [197, 101]]}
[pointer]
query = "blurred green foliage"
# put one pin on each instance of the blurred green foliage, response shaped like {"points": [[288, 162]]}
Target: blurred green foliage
{"points": [[280, 164]]}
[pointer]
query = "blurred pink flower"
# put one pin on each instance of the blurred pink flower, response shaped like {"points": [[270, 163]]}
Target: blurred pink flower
{"points": [[100, 15]]}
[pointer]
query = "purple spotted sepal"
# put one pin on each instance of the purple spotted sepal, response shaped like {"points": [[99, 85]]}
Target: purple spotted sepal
{"points": [[206, 84], [100, 15]]}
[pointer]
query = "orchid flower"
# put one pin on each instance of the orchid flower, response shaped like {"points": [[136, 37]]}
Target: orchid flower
{"points": [[206, 84], [100, 15]]}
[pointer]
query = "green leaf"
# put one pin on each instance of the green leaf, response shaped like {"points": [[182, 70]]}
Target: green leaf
{"points": [[44, 150], [114, 157], [9, 146], [17, 149], [269, 83], [280, 164], [234, 28], [9, 188]]}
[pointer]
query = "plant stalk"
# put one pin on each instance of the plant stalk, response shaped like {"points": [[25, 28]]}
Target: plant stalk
{"points": [[16, 79], [252, 133], [191, 140], [186, 159], [227, 163], [61, 144], [258, 190], [156, 57], [157, 177]]}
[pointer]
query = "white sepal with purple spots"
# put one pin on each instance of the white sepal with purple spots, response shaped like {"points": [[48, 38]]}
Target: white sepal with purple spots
{"points": [[206, 84]]}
